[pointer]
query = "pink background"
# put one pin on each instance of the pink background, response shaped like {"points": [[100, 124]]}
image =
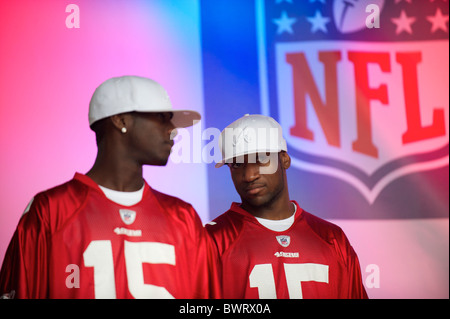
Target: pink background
{"points": [[49, 72]]}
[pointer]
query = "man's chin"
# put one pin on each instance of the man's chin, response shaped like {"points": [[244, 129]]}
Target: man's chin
{"points": [[256, 201], [161, 162]]}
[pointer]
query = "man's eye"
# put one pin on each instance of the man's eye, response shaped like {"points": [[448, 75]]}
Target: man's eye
{"points": [[265, 162], [165, 117], [265, 158], [235, 165]]}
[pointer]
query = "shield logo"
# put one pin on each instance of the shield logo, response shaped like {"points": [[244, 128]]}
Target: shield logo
{"points": [[284, 240], [127, 215], [355, 103]]}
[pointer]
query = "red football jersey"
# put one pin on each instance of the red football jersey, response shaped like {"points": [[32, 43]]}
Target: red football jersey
{"points": [[76, 243], [311, 259]]}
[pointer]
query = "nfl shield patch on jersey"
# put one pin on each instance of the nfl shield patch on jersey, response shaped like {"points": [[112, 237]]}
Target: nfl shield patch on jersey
{"points": [[128, 216], [284, 240]]}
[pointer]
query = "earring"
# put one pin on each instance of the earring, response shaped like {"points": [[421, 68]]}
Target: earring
{"points": [[124, 130]]}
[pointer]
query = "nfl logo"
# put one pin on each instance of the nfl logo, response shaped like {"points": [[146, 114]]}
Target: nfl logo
{"points": [[356, 102], [128, 216], [284, 240]]}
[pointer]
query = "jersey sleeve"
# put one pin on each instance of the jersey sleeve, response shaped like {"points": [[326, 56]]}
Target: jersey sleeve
{"points": [[207, 268], [351, 282], [24, 270], [200, 266], [354, 286], [224, 230]]}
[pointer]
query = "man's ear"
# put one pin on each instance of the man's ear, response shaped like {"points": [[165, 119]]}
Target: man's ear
{"points": [[121, 121], [285, 160]]}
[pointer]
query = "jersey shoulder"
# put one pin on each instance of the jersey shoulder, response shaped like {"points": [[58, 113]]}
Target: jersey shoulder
{"points": [[225, 229], [169, 200], [175, 207], [330, 233], [179, 213], [71, 192], [324, 229], [54, 206]]}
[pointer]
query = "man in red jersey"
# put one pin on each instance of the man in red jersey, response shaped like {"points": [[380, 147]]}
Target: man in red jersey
{"points": [[269, 246], [108, 234]]}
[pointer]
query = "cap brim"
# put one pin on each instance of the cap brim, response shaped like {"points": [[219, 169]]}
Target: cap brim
{"points": [[185, 118], [229, 160], [220, 164]]}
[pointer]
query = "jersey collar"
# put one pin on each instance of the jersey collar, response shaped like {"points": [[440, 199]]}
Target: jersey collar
{"points": [[236, 207], [89, 182]]}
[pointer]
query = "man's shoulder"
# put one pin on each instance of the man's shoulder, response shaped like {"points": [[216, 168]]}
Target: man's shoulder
{"points": [[50, 207], [326, 230], [166, 200], [69, 191], [225, 229], [230, 220], [315, 220], [175, 209]]}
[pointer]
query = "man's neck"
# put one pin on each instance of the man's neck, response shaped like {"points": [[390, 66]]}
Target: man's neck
{"points": [[276, 210], [116, 174]]}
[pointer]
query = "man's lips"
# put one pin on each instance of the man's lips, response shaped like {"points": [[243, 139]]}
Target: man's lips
{"points": [[254, 189]]}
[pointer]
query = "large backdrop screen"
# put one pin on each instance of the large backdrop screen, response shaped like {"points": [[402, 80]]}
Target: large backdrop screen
{"points": [[359, 87]]}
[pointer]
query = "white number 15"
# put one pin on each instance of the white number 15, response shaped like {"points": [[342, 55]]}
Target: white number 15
{"points": [[100, 256], [262, 278]]}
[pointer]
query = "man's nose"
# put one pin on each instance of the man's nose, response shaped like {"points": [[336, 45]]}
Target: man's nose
{"points": [[251, 172], [173, 132]]}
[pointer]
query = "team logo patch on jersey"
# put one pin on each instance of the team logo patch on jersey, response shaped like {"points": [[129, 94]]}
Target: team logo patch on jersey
{"points": [[128, 232], [287, 255], [284, 240], [128, 216]]}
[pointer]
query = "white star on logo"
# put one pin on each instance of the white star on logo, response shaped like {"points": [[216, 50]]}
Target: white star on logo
{"points": [[284, 23], [438, 21], [403, 23], [318, 22]]}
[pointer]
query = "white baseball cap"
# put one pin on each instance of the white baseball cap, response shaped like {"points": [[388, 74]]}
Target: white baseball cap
{"points": [[133, 93], [249, 135]]}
